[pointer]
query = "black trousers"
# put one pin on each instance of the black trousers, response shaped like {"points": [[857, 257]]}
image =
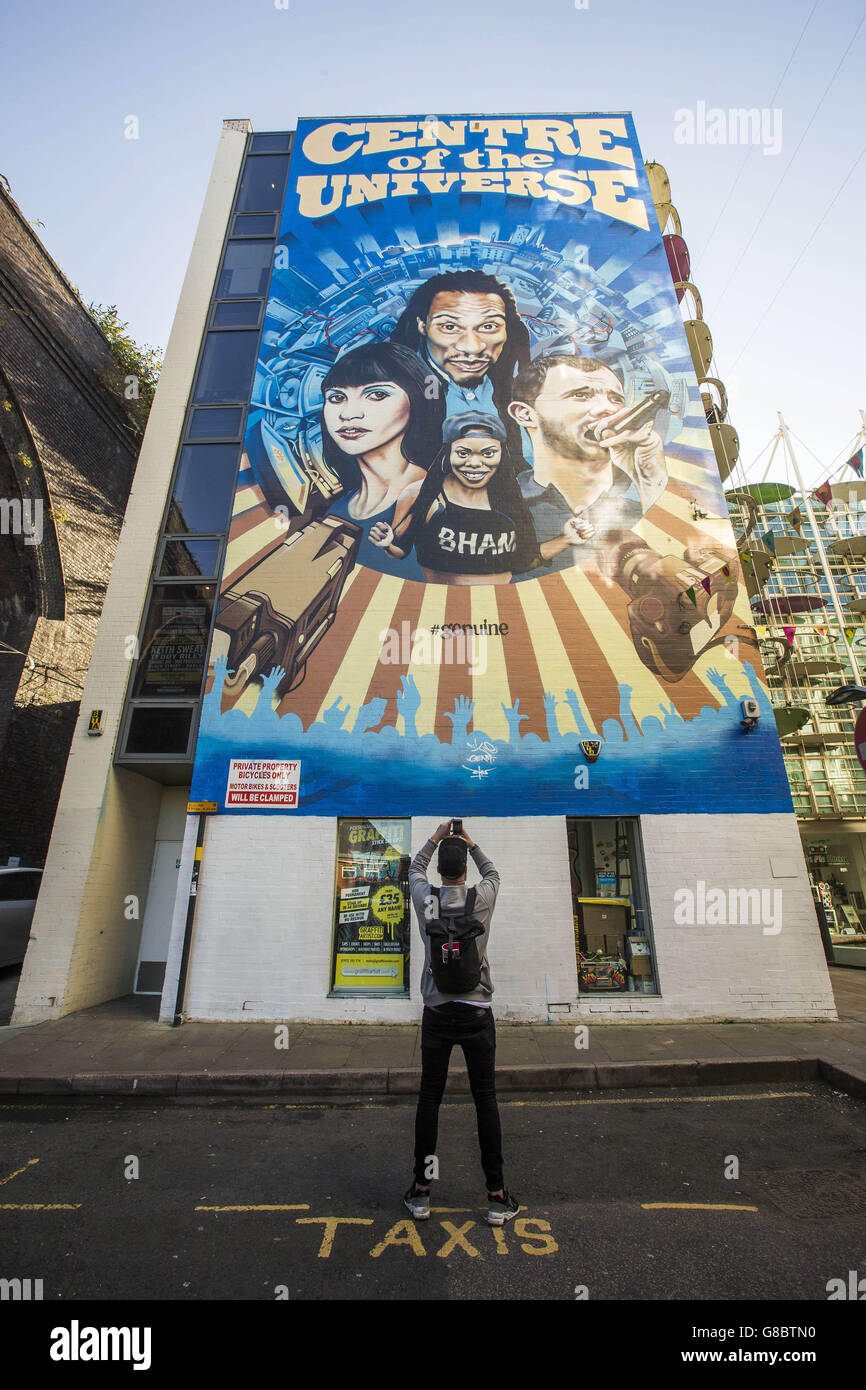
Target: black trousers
{"points": [[472, 1029]]}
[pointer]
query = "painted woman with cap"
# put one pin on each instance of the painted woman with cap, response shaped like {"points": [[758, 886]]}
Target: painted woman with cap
{"points": [[467, 519]]}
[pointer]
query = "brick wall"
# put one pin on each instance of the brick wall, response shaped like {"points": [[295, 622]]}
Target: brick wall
{"points": [[66, 441]]}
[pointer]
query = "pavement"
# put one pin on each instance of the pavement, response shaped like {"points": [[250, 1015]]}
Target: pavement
{"points": [[119, 1048]]}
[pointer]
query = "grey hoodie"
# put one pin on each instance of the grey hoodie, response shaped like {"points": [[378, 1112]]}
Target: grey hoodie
{"points": [[452, 897]]}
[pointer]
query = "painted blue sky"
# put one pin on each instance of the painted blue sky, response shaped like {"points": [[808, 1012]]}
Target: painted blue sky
{"points": [[785, 312]]}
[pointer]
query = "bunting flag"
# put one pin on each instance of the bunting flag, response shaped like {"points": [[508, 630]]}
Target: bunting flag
{"points": [[726, 571], [823, 493], [746, 557], [690, 593], [790, 633], [706, 582], [796, 519], [761, 632], [822, 632], [769, 541], [849, 633], [856, 462]]}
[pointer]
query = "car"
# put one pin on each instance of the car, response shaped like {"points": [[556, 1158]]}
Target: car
{"points": [[18, 892]]}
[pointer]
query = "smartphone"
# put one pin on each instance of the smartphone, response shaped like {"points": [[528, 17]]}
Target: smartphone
{"points": [[457, 827]]}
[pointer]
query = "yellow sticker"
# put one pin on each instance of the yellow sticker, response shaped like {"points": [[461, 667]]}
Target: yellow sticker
{"points": [[388, 904]]}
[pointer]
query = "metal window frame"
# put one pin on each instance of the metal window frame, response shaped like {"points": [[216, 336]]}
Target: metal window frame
{"points": [[143, 762]]}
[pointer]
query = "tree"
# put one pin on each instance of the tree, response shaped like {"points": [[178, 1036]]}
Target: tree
{"points": [[135, 371]]}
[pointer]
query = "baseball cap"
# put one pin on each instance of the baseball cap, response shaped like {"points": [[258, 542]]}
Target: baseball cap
{"points": [[472, 422]]}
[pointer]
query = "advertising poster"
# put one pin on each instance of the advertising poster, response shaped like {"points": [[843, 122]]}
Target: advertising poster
{"points": [[371, 908], [480, 560]]}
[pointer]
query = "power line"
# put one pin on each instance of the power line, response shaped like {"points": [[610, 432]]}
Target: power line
{"points": [[750, 150], [757, 225], [802, 253]]}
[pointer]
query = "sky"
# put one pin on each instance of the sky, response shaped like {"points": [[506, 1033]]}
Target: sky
{"points": [[774, 228]]}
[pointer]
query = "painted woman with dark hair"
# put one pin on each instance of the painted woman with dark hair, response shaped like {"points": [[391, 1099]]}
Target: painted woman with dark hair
{"points": [[467, 519], [380, 432]]}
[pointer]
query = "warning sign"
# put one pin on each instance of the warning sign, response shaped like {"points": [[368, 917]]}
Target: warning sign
{"points": [[262, 782]]}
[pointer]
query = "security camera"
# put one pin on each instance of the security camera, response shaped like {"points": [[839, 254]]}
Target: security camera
{"points": [[751, 712]]}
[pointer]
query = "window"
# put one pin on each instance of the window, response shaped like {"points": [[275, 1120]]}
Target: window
{"points": [[226, 371], [246, 270], [212, 422], [264, 144], [241, 313], [159, 729], [372, 909], [611, 912], [174, 643], [191, 559], [262, 183], [255, 224], [203, 489]]}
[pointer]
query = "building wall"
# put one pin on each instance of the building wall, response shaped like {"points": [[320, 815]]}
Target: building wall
{"points": [[262, 940], [76, 901]]}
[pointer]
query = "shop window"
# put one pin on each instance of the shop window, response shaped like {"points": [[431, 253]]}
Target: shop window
{"points": [[612, 934], [226, 371], [174, 642], [262, 183], [372, 909], [246, 270], [203, 489]]}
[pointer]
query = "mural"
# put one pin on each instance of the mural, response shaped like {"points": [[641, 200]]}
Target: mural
{"points": [[479, 554]]}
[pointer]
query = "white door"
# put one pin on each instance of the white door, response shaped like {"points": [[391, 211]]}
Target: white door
{"points": [[156, 927]]}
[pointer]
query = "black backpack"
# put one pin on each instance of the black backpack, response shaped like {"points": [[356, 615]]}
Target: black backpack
{"points": [[454, 958]]}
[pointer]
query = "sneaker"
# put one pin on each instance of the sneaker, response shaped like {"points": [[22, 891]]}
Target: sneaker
{"points": [[500, 1210], [418, 1203]]}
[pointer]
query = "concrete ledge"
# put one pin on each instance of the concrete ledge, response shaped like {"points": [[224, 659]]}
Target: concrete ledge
{"points": [[846, 1079], [565, 1076], [611, 1075], [398, 1081], [343, 1082], [44, 1085], [719, 1071]]}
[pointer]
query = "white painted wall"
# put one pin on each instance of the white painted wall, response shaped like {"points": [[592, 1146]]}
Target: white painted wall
{"points": [[262, 940]]}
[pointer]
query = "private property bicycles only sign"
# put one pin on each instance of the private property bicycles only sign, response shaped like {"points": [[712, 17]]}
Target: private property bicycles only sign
{"points": [[263, 782]]}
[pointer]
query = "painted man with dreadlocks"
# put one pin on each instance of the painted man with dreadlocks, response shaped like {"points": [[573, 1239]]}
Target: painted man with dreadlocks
{"points": [[465, 327]]}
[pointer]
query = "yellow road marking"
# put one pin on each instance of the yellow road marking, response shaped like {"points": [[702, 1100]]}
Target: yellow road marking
{"points": [[294, 1206], [694, 1206], [39, 1206], [18, 1170]]}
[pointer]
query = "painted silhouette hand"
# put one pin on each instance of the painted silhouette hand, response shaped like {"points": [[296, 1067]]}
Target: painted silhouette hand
{"points": [[370, 715], [550, 703], [408, 697], [272, 680], [334, 716], [514, 717], [716, 678], [461, 715]]}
